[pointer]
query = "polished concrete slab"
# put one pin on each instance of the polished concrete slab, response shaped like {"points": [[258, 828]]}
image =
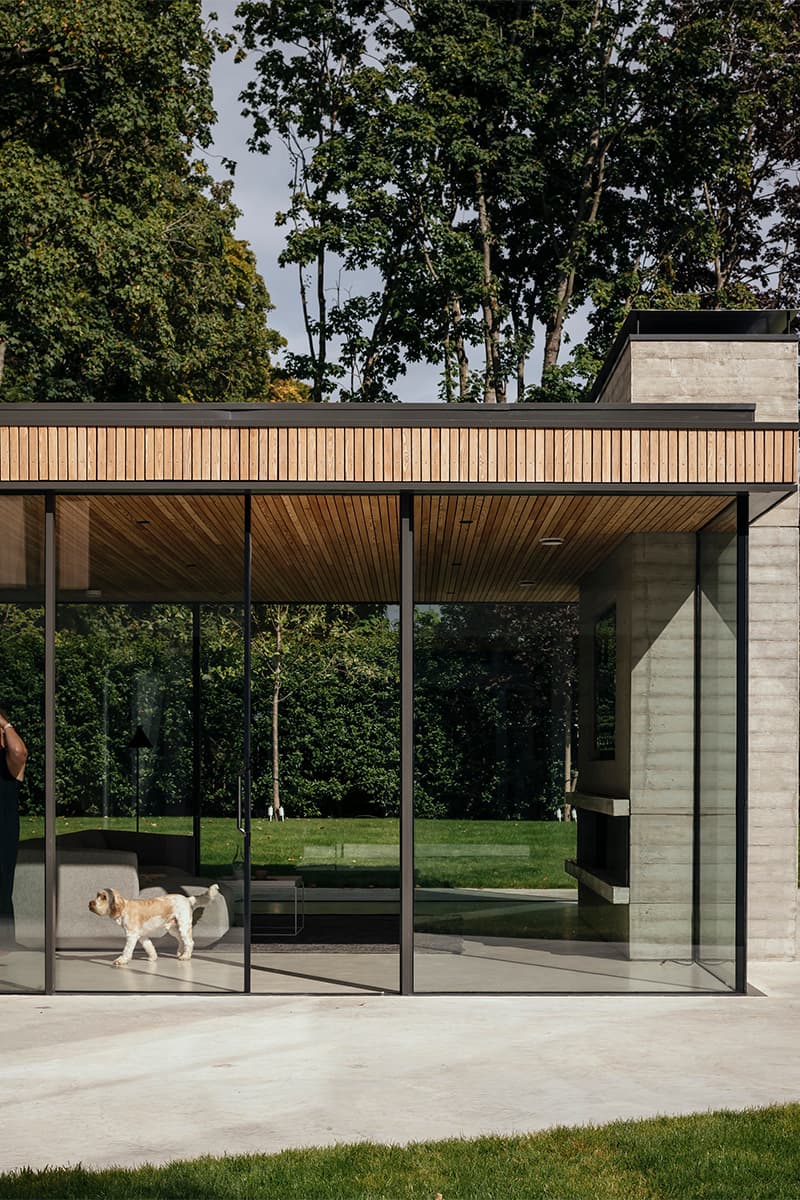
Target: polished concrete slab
{"points": [[443, 963], [145, 1078]]}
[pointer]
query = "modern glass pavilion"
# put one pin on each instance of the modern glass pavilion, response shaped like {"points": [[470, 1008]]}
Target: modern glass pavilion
{"points": [[662, 519]]}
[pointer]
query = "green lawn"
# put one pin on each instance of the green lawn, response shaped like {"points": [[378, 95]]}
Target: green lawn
{"points": [[365, 851], [753, 1155]]}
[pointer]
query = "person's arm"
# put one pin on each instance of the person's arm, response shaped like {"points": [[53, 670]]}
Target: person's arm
{"points": [[15, 748]]}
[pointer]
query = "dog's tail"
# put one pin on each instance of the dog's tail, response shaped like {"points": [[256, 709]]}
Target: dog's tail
{"points": [[204, 898]]}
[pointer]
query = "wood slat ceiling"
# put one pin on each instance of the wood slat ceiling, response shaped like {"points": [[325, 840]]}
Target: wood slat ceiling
{"points": [[343, 548], [489, 547]]}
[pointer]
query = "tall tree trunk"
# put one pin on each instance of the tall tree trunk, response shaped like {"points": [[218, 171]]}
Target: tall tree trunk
{"points": [[585, 217], [586, 209], [369, 370], [554, 328], [322, 342], [276, 697], [447, 357], [461, 353], [495, 386]]}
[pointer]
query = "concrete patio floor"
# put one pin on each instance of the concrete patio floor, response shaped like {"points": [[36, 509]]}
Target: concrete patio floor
{"points": [[129, 1079]]}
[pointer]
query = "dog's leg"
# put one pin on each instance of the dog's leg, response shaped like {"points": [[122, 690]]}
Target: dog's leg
{"points": [[187, 947], [127, 953], [183, 933], [149, 949]]}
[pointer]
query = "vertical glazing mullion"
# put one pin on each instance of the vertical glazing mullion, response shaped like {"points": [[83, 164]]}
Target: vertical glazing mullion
{"points": [[406, 744], [742, 721], [196, 735], [49, 743], [696, 767], [248, 598]]}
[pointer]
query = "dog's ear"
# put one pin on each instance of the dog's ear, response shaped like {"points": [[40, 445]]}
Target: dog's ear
{"points": [[115, 902]]}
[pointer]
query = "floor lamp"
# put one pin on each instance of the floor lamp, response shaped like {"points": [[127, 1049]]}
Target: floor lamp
{"points": [[138, 742]]}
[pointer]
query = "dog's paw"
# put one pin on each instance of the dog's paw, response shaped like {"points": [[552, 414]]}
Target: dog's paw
{"points": [[120, 962], [185, 956]]}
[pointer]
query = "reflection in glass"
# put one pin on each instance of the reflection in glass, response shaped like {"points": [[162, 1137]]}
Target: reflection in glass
{"points": [[325, 743], [133, 750], [22, 905], [715, 820], [325, 787], [494, 728]]}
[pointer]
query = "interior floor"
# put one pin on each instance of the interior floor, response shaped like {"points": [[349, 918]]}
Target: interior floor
{"points": [[539, 946]]}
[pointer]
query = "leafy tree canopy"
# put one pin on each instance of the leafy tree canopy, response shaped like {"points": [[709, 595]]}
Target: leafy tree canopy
{"points": [[499, 166], [121, 277]]}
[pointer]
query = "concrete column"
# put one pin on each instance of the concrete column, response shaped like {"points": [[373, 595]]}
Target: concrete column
{"points": [[762, 371], [662, 745], [773, 770]]}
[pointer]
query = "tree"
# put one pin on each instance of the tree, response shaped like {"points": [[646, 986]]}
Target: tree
{"points": [[471, 172], [713, 221], [121, 278], [493, 687], [297, 646], [309, 56]]}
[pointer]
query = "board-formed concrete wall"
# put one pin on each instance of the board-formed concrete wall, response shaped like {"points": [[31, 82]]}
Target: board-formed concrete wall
{"points": [[662, 744], [653, 370], [773, 744], [763, 372], [650, 579]]}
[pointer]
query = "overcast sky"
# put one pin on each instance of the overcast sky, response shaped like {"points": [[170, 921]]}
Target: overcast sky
{"points": [[261, 189]]}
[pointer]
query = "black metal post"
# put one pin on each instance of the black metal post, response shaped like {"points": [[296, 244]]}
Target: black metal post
{"points": [[698, 661], [50, 880], [406, 744], [197, 729], [742, 731], [248, 605]]}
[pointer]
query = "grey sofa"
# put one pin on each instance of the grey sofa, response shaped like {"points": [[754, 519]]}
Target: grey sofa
{"points": [[136, 864]]}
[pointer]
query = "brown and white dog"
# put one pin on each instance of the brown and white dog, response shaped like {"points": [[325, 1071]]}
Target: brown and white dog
{"points": [[143, 919]]}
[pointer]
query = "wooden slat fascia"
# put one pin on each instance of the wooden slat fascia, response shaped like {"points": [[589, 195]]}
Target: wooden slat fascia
{"points": [[755, 455]]}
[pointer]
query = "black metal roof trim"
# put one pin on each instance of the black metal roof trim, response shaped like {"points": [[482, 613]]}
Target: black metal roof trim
{"points": [[386, 416], [204, 487], [701, 325]]}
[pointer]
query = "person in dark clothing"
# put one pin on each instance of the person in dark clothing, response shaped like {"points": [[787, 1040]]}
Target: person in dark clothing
{"points": [[13, 756]]}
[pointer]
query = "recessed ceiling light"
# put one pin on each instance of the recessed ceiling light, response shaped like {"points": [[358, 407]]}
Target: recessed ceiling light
{"points": [[465, 521], [551, 541], [93, 594], [142, 522], [526, 583]]}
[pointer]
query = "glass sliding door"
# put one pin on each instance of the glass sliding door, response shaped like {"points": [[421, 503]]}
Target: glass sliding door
{"points": [[149, 721], [324, 744], [22, 747], [716, 799], [492, 695], [575, 819]]}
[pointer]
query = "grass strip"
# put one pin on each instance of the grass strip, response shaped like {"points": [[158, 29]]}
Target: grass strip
{"points": [[751, 1155], [361, 852]]}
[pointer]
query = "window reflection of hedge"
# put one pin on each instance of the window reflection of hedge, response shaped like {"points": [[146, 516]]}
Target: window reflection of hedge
{"points": [[605, 685], [491, 692]]}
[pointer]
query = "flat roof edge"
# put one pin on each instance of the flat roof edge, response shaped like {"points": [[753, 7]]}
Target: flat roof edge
{"points": [[526, 416]]}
